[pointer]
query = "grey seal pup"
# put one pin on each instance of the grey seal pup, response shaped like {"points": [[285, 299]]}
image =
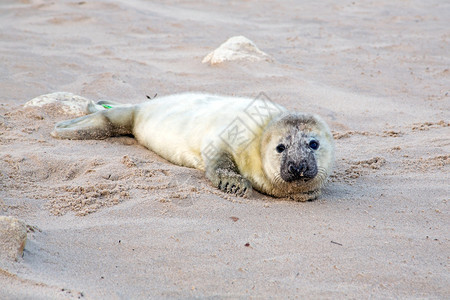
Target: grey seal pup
{"points": [[241, 143]]}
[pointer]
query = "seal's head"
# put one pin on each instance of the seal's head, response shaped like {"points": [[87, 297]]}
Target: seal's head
{"points": [[298, 153]]}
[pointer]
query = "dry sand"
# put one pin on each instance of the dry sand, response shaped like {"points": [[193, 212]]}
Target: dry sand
{"points": [[112, 220]]}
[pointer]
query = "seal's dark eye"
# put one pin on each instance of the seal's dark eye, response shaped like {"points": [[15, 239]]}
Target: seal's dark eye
{"points": [[313, 144], [280, 148]]}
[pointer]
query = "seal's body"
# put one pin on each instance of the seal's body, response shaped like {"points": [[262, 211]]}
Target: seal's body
{"points": [[240, 142]]}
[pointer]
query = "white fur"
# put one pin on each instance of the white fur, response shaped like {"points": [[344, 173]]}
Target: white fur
{"points": [[180, 127]]}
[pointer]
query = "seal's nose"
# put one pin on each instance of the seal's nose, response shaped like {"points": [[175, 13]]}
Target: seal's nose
{"points": [[298, 170]]}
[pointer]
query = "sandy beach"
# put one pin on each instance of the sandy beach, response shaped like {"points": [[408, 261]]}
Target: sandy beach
{"points": [[110, 219]]}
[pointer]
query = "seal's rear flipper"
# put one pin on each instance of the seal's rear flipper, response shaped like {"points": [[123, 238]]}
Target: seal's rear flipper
{"points": [[99, 125], [111, 103], [103, 104]]}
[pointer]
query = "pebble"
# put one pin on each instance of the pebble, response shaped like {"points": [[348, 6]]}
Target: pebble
{"points": [[13, 236], [68, 102], [236, 48]]}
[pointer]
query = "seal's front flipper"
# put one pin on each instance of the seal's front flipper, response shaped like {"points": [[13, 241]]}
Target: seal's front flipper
{"points": [[224, 174], [99, 125]]}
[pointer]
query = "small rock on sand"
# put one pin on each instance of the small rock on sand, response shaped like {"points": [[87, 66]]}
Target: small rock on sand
{"points": [[236, 48], [13, 236], [67, 102]]}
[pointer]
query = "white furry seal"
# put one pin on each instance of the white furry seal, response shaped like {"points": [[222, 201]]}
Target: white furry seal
{"points": [[241, 143]]}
